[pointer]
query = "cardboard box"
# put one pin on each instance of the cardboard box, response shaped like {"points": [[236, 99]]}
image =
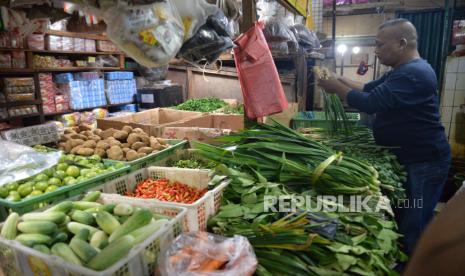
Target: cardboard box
{"points": [[205, 128], [151, 121], [284, 117]]}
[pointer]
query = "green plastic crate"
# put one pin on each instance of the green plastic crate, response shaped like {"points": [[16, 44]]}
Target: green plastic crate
{"points": [[318, 119], [62, 193], [153, 158]]}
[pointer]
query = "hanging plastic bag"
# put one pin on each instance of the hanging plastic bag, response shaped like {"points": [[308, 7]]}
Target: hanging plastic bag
{"points": [[153, 74], [307, 39], [210, 41], [19, 162], [151, 34], [194, 14], [205, 254], [260, 84]]}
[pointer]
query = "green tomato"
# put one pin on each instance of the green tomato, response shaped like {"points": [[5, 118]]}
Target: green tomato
{"points": [[41, 177], [41, 186], [62, 158], [84, 172], [70, 157], [96, 158], [48, 172], [67, 179], [84, 162], [99, 166], [13, 186], [62, 167], [14, 197], [81, 178], [60, 174], [4, 192], [54, 182], [24, 190], [51, 188], [91, 174], [73, 171], [71, 182], [30, 182], [118, 165], [36, 193], [78, 158]]}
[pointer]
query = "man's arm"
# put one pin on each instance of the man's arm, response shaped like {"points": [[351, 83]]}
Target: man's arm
{"points": [[354, 85]]}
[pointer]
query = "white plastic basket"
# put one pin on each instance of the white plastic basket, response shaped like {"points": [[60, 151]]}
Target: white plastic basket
{"points": [[16, 259], [198, 213]]}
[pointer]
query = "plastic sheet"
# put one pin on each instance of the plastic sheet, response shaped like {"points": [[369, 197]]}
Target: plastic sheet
{"points": [[19, 162], [202, 253], [210, 41], [153, 74], [194, 14], [306, 38], [151, 34], [260, 84]]}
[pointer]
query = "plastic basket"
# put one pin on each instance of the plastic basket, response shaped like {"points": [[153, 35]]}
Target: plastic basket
{"points": [[179, 155], [141, 260], [198, 213], [318, 119], [62, 193], [152, 158]]}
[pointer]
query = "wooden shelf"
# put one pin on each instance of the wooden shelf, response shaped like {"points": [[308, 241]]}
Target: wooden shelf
{"points": [[78, 35], [16, 71], [20, 117], [62, 52], [20, 103], [74, 69]]}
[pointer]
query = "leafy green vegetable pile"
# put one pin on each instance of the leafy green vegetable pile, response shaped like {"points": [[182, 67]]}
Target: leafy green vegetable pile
{"points": [[202, 105]]}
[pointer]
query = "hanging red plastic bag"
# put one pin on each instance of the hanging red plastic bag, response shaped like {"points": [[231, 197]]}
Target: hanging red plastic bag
{"points": [[260, 84]]}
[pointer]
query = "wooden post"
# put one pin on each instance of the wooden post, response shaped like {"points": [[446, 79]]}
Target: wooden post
{"points": [[249, 15]]}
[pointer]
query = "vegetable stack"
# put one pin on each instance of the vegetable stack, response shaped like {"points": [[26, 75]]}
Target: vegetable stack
{"points": [[202, 105], [84, 232]]}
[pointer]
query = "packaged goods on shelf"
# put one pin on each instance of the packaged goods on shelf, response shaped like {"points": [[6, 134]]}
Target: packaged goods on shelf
{"points": [[43, 25], [61, 103], [48, 92], [36, 42], [79, 44], [67, 43], [120, 91], [87, 94], [89, 45], [119, 75], [106, 46], [83, 76], [22, 110], [3, 113], [63, 78], [44, 62], [18, 59], [19, 89], [53, 43], [5, 60]]}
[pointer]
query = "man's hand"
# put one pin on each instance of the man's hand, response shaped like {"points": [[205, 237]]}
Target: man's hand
{"points": [[333, 85]]}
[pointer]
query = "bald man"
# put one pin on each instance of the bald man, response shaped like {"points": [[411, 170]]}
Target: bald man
{"points": [[405, 102]]}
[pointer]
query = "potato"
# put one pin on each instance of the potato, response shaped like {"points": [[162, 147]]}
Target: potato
{"points": [[69, 131], [96, 138], [107, 133], [128, 129], [145, 139], [89, 144], [138, 130], [103, 145], [125, 150], [84, 127], [140, 155], [137, 145], [85, 151], [115, 153], [68, 146], [114, 143], [161, 141], [75, 149], [154, 144], [133, 138], [87, 133], [121, 135], [100, 152], [78, 136], [146, 150], [125, 145], [97, 131], [76, 142], [131, 155]]}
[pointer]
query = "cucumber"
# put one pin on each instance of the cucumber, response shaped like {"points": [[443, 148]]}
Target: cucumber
{"points": [[75, 227], [42, 248], [144, 232], [92, 196], [82, 249], [33, 239], [53, 216], [107, 222], [83, 234], [123, 209], [112, 253], [60, 236], [37, 227], [98, 239], [138, 219], [9, 227], [83, 205], [64, 251], [82, 217], [64, 207]]}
